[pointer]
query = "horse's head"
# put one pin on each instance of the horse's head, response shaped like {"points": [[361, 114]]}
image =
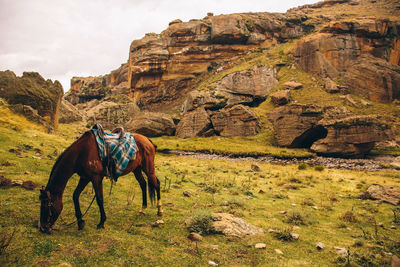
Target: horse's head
{"points": [[48, 211]]}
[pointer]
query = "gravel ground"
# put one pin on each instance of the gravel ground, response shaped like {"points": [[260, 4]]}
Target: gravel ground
{"points": [[376, 163]]}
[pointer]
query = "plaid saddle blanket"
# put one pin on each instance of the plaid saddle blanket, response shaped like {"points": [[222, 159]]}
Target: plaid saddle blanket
{"points": [[115, 149]]}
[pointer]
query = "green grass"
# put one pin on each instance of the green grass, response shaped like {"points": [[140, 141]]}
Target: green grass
{"points": [[232, 146], [216, 186]]}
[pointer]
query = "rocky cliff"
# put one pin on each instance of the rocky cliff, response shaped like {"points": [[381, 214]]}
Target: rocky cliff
{"points": [[33, 96], [222, 75]]}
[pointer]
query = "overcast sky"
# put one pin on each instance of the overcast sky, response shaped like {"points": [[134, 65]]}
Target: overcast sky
{"points": [[65, 38]]}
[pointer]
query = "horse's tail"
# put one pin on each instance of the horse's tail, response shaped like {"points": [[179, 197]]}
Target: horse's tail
{"points": [[155, 146], [153, 182]]}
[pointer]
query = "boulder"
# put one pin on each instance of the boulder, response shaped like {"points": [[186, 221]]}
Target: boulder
{"points": [[281, 97], [69, 113], [227, 224], [111, 114], [248, 87], [350, 136], [330, 86], [205, 99], [194, 123], [32, 90], [383, 193], [296, 125], [292, 85], [327, 130], [151, 124], [236, 121]]}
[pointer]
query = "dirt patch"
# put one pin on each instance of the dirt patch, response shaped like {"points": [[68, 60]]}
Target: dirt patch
{"points": [[7, 183]]}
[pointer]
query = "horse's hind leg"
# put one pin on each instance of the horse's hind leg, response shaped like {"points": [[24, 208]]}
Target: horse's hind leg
{"points": [[142, 182], [154, 183], [98, 189], [80, 187]]}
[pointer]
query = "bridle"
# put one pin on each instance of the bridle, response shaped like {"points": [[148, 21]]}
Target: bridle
{"points": [[51, 209]]}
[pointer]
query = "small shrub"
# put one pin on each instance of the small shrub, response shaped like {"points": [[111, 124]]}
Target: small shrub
{"points": [[308, 202], [295, 180], [284, 235], [201, 223], [349, 216], [319, 168], [296, 218], [302, 166], [358, 243], [280, 196], [235, 203]]}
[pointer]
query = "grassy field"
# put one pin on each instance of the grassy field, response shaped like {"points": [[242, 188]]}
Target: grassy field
{"points": [[321, 206]]}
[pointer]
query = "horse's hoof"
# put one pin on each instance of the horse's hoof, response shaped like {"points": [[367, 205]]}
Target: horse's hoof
{"points": [[81, 224], [100, 226], [160, 213]]}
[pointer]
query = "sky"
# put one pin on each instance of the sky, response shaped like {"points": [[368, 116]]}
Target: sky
{"points": [[65, 38]]}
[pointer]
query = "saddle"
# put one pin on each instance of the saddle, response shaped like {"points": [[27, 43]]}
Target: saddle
{"points": [[115, 149]]}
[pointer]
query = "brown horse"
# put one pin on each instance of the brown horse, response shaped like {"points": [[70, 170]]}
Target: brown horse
{"points": [[82, 157]]}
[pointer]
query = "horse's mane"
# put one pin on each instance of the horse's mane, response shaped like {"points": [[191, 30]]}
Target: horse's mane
{"points": [[62, 154]]}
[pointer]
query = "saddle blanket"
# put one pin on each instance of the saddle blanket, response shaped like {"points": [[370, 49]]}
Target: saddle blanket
{"points": [[122, 148]]}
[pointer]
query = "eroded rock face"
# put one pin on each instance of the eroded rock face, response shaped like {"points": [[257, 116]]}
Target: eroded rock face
{"points": [[162, 67], [236, 121], [294, 122], [374, 78], [194, 123], [327, 130], [86, 89], [151, 124], [248, 87], [69, 113], [365, 53], [111, 114], [35, 95], [351, 136]]}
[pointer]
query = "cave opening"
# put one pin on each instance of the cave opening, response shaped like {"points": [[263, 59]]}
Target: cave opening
{"points": [[306, 139]]}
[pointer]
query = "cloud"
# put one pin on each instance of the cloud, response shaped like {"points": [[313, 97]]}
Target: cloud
{"points": [[60, 39]]}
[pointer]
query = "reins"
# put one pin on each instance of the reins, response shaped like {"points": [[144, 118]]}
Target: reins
{"points": [[71, 223]]}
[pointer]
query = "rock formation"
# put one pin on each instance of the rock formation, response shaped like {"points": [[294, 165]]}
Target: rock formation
{"points": [[85, 89], [363, 53], [69, 113], [211, 73], [151, 124], [238, 120], [194, 123], [33, 96], [327, 130], [163, 67]]}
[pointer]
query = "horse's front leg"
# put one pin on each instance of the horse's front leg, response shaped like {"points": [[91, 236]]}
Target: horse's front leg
{"points": [[80, 187], [98, 188]]}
